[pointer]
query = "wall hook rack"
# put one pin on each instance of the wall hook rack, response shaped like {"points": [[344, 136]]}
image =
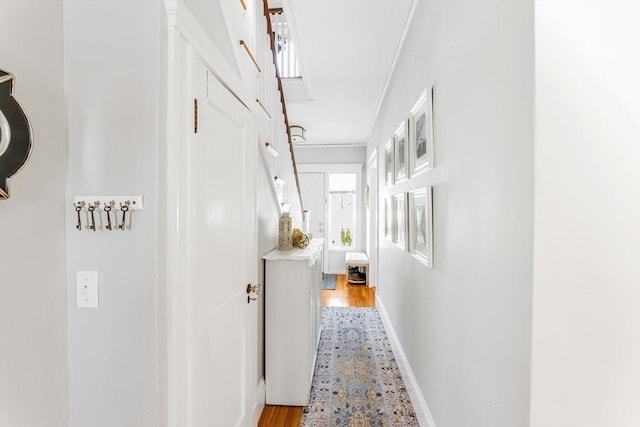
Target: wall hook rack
{"points": [[106, 213]]}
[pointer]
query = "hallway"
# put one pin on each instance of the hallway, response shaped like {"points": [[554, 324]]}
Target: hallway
{"points": [[345, 295], [496, 156]]}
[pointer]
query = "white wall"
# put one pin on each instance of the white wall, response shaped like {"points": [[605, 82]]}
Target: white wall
{"points": [[465, 325], [329, 155], [33, 325], [586, 317], [115, 65]]}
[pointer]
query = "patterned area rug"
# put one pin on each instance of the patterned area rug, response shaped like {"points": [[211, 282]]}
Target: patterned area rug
{"points": [[329, 282], [356, 382]]}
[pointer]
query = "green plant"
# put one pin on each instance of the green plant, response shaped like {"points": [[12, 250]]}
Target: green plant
{"points": [[345, 236]]}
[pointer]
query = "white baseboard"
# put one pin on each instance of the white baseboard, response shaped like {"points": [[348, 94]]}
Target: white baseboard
{"points": [[258, 406], [417, 398]]}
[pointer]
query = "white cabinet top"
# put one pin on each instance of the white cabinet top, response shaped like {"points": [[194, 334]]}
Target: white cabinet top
{"points": [[310, 253]]}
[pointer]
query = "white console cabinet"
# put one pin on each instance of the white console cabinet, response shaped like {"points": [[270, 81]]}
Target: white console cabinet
{"points": [[293, 310]]}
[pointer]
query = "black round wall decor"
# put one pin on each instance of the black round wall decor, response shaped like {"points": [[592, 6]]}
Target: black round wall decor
{"points": [[15, 134]]}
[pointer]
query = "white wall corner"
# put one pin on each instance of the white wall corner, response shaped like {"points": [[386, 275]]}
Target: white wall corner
{"points": [[417, 398]]}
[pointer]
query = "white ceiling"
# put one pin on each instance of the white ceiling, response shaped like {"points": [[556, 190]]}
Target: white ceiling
{"points": [[347, 49]]}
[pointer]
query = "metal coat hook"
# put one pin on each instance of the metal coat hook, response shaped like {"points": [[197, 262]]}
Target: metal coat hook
{"points": [[94, 206], [124, 208], [107, 209], [79, 206]]}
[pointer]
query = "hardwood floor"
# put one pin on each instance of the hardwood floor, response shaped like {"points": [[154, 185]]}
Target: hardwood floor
{"points": [[345, 295], [280, 416]]}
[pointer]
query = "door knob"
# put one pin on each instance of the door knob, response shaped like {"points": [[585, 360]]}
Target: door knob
{"points": [[253, 289]]}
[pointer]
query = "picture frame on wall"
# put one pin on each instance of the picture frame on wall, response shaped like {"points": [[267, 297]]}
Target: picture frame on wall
{"points": [[401, 141], [388, 219], [421, 225], [421, 133], [389, 165], [367, 196], [399, 220]]}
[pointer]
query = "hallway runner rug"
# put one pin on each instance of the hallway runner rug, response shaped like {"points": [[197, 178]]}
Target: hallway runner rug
{"points": [[328, 282], [356, 382]]}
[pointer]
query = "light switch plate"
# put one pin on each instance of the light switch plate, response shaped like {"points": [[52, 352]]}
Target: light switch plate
{"points": [[87, 289]]}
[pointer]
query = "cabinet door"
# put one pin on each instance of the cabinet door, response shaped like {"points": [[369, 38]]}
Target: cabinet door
{"points": [[288, 332]]}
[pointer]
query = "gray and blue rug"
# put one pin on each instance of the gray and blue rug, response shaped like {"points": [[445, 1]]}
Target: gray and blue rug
{"points": [[328, 282], [356, 382]]}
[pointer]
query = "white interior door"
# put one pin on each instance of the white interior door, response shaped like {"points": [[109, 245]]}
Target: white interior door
{"points": [[312, 187], [221, 352]]}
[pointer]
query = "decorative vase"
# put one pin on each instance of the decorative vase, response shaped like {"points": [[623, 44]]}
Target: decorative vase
{"points": [[285, 235], [300, 240]]}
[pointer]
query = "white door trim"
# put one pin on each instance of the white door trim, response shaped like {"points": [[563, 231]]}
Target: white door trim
{"points": [[175, 245]]}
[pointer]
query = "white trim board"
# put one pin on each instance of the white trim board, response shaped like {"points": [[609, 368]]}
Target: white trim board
{"points": [[260, 402], [180, 17], [417, 398]]}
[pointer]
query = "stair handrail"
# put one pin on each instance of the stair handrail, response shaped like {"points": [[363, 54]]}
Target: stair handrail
{"points": [[267, 15]]}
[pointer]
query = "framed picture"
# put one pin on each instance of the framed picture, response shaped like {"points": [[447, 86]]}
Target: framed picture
{"points": [[389, 163], [399, 220], [388, 219], [401, 140], [421, 133], [367, 196], [421, 225]]}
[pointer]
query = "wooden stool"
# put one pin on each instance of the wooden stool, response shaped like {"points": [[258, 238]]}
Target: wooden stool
{"points": [[357, 266]]}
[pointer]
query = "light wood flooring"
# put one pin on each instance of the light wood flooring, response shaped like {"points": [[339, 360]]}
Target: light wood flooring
{"points": [[345, 295]]}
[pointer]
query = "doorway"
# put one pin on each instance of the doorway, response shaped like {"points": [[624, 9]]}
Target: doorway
{"points": [[212, 241], [333, 194]]}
